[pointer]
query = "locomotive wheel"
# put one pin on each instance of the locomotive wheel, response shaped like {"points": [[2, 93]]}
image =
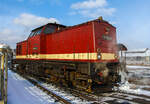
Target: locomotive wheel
{"points": [[20, 69]]}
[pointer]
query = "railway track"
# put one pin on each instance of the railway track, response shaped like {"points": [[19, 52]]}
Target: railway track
{"points": [[35, 83], [58, 98], [111, 98], [130, 98], [102, 98], [84, 96]]}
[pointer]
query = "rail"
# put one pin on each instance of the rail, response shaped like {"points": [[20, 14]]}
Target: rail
{"points": [[94, 98], [47, 91]]}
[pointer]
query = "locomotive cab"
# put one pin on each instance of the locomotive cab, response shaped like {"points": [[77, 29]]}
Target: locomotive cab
{"points": [[33, 46]]}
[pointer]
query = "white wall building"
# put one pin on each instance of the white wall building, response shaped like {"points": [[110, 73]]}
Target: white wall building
{"points": [[138, 56]]}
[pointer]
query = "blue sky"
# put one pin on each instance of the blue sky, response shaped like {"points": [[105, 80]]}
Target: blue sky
{"points": [[131, 17]]}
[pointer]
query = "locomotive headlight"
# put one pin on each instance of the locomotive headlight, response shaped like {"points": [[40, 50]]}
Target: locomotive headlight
{"points": [[99, 56], [116, 57]]}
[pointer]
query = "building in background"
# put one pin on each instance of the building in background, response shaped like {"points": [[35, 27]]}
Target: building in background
{"points": [[137, 57], [121, 52]]}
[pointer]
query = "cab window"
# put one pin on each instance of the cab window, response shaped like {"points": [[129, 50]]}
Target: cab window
{"points": [[38, 31], [33, 33], [49, 29]]}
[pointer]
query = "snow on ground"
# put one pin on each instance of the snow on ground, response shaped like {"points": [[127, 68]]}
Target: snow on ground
{"points": [[64, 94], [138, 67], [139, 75], [139, 78], [130, 88], [20, 91]]}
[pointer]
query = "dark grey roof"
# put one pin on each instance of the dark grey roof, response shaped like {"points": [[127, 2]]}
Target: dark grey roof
{"points": [[49, 24]]}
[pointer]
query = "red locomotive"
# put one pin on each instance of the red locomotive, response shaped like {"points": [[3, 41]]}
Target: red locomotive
{"points": [[83, 56]]}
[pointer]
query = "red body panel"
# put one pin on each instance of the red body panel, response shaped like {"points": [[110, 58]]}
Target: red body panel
{"points": [[83, 38], [106, 46], [21, 48], [34, 45], [75, 40]]}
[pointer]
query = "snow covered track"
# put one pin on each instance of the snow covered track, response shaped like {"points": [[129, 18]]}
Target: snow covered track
{"points": [[60, 99], [21, 91], [130, 98], [111, 98], [74, 96], [85, 98]]}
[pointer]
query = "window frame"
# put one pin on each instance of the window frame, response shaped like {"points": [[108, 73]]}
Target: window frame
{"points": [[36, 32], [50, 27]]}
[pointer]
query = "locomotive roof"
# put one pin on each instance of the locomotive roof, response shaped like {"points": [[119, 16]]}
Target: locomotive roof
{"points": [[69, 27], [73, 25], [96, 20], [49, 24]]}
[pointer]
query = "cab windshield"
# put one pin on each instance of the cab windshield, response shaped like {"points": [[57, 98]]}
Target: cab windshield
{"points": [[49, 29], [36, 32]]}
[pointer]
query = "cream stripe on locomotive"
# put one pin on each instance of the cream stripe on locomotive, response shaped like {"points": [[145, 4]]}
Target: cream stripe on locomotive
{"points": [[108, 56], [77, 56]]}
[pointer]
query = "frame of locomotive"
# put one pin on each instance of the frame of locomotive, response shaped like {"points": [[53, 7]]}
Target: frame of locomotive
{"points": [[83, 56]]}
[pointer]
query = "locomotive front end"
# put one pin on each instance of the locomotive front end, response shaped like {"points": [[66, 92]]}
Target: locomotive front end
{"points": [[107, 68]]}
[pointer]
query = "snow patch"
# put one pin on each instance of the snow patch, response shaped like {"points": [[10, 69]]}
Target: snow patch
{"points": [[17, 77], [126, 87], [138, 67], [129, 88], [123, 76], [65, 95], [21, 91], [33, 90]]}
